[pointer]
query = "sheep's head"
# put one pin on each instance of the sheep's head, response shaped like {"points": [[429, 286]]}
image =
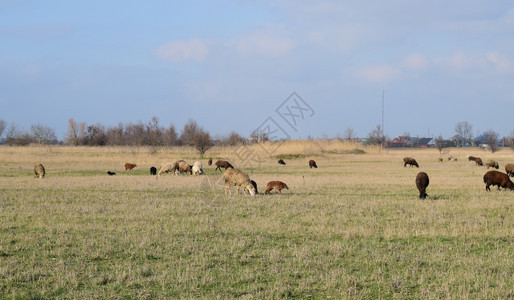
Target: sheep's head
{"points": [[250, 189]]}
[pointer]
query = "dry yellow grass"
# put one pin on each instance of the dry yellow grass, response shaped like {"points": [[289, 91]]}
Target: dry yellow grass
{"points": [[353, 228]]}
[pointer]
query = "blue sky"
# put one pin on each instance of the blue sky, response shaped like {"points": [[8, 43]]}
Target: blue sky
{"points": [[229, 64]]}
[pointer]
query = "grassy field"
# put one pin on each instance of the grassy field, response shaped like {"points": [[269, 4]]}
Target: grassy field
{"points": [[353, 228]]}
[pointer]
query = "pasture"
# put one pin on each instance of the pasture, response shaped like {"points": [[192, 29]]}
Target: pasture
{"points": [[352, 228]]}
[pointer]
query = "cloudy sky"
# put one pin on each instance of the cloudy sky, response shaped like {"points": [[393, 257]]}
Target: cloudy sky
{"points": [[230, 64]]}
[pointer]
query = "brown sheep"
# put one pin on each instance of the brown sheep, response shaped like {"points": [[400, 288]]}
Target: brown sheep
{"points": [[410, 161], [278, 185], [281, 162], [422, 182], [312, 164], [477, 160], [492, 164], [39, 170], [235, 177], [209, 162], [222, 164], [184, 167], [497, 178], [130, 166], [509, 169]]}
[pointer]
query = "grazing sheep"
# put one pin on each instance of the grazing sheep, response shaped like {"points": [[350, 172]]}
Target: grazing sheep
{"points": [[111, 173], [130, 166], [477, 160], [222, 164], [255, 186], [168, 168], [281, 161], [210, 161], [184, 167], [492, 164], [197, 168], [39, 170], [312, 164], [278, 185], [497, 178], [509, 168], [410, 161], [422, 182], [454, 159], [235, 177], [441, 159], [153, 171]]}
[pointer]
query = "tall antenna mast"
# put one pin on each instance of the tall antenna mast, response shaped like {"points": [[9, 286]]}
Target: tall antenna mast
{"points": [[383, 111]]}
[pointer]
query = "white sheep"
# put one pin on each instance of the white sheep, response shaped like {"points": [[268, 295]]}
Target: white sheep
{"points": [[235, 177], [197, 168], [168, 167]]}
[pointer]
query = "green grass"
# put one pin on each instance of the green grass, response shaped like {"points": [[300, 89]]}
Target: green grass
{"points": [[341, 231]]}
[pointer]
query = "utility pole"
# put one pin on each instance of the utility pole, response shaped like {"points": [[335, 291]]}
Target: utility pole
{"points": [[383, 111]]}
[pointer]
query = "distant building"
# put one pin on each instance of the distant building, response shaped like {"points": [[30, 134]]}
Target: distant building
{"points": [[410, 142]]}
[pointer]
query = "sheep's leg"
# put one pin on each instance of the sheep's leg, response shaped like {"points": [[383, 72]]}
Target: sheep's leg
{"points": [[279, 191]]}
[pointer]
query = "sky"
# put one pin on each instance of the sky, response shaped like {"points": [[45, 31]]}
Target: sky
{"points": [[239, 65]]}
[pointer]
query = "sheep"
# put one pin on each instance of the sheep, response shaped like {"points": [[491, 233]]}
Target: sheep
{"points": [[153, 171], [492, 164], [210, 161], [254, 185], [509, 169], [167, 168], [235, 177], [278, 185], [111, 173], [197, 168], [183, 167], [222, 164], [130, 166], [410, 161], [498, 178], [477, 160], [39, 170], [422, 182], [281, 162], [441, 159], [312, 164]]}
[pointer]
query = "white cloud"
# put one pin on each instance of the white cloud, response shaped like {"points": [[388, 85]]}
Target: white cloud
{"points": [[382, 73], [500, 62], [263, 44], [415, 61], [193, 49]]}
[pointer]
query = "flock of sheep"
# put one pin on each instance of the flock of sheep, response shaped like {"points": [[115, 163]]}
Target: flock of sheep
{"points": [[492, 177], [240, 179]]}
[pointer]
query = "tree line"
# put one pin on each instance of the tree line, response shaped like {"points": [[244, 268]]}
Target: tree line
{"points": [[152, 133]]}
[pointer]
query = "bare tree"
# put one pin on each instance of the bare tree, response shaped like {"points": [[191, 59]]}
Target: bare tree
{"points": [[512, 139], [376, 136], [464, 132], [491, 137], [349, 134], [188, 132], [233, 139], [170, 136], [76, 133], [439, 143], [43, 134], [3, 125], [195, 136]]}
